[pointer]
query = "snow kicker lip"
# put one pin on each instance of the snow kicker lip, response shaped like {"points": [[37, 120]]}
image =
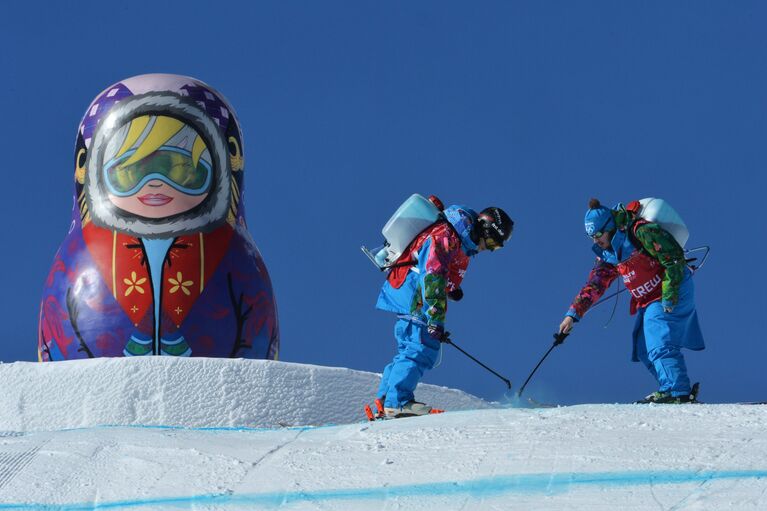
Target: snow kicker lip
{"points": [[212, 429], [557, 483]]}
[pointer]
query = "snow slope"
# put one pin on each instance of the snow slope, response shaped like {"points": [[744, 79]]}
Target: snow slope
{"points": [[192, 392], [581, 457]]}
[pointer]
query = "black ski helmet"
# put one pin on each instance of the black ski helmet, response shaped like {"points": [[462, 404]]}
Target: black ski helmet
{"points": [[495, 224]]}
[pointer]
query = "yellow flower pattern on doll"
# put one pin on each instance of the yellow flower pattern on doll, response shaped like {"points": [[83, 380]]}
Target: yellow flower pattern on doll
{"points": [[180, 283], [134, 284]]}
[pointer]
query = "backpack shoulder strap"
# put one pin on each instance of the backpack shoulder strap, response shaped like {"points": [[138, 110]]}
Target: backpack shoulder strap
{"points": [[405, 259], [400, 268], [632, 233]]}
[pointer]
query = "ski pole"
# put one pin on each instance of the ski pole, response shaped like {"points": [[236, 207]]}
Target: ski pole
{"points": [[450, 341], [558, 339], [604, 299]]}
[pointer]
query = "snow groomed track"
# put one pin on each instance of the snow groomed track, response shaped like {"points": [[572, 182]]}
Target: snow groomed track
{"points": [[579, 457]]}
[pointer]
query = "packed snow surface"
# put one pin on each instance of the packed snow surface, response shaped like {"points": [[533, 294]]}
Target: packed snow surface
{"points": [[59, 451], [191, 392]]}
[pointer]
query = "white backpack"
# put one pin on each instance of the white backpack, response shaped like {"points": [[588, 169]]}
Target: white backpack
{"points": [[660, 212], [414, 216]]}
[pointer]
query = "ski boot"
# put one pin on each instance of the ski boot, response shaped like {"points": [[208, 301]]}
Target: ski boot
{"points": [[666, 397], [655, 397], [410, 409]]}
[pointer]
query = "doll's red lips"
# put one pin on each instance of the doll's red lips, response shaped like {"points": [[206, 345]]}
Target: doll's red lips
{"points": [[155, 199]]}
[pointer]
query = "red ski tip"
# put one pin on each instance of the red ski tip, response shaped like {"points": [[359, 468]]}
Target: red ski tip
{"points": [[436, 410], [380, 413]]}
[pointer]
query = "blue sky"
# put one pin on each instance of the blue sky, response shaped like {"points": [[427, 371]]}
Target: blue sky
{"points": [[349, 107]]}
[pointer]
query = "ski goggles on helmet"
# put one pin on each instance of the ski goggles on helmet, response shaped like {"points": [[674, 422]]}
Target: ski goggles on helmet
{"points": [[492, 245], [171, 165], [492, 238], [601, 231]]}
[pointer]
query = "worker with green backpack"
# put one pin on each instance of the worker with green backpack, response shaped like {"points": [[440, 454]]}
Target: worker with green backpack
{"points": [[642, 242]]}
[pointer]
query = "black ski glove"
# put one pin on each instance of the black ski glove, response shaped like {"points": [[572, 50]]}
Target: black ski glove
{"points": [[560, 337], [456, 294], [438, 333]]}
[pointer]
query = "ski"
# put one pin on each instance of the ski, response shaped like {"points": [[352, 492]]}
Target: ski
{"points": [[532, 403], [537, 404], [694, 392], [379, 413]]}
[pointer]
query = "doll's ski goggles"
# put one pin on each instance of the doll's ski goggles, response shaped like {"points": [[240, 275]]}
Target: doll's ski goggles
{"points": [[171, 165]]}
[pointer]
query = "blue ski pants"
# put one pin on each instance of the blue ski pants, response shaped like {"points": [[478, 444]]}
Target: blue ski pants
{"points": [[660, 336], [417, 351]]}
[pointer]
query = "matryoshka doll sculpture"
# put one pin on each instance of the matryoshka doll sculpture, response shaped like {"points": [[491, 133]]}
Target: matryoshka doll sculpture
{"points": [[158, 259]]}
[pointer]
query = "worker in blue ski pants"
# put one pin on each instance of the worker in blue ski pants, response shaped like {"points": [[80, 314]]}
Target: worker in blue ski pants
{"points": [[659, 337], [417, 352]]}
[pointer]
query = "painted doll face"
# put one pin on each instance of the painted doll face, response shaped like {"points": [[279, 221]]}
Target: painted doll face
{"points": [[157, 199], [164, 172]]}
